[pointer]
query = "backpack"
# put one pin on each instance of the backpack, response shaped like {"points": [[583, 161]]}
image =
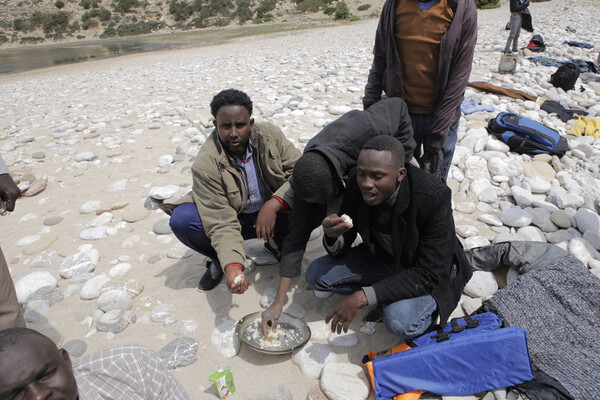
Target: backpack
{"points": [[565, 76], [536, 44], [524, 135], [469, 355]]}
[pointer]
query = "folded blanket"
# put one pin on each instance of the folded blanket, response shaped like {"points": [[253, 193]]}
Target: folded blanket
{"points": [[559, 306]]}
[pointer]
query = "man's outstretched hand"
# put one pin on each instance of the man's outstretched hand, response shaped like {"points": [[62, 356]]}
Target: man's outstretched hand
{"points": [[9, 193], [346, 311], [270, 317]]}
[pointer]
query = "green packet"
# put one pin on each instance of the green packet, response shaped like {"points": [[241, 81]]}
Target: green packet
{"points": [[222, 380]]}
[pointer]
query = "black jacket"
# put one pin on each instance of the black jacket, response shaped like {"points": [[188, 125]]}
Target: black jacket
{"points": [[518, 5], [340, 142], [428, 256]]}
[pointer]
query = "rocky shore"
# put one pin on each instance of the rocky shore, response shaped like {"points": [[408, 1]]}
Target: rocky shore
{"points": [[96, 146]]}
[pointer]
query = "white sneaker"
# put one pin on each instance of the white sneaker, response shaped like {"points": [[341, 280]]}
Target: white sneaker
{"points": [[321, 294]]}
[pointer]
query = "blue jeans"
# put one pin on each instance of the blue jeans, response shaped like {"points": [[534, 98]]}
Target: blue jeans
{"points": [[422, 124], [186, 225], [407, 318]]}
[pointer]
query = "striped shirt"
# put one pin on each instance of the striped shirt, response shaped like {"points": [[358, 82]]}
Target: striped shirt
{"points": [[255, 187], [125, 372]]}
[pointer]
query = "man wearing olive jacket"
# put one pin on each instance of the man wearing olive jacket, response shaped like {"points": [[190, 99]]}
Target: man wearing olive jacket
{"points": [[423, 53], [239, 191]]}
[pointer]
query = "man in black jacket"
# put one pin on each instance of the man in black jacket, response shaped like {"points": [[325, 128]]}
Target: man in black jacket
{"points": [[517, 7], [327, 159], [409, 263]]}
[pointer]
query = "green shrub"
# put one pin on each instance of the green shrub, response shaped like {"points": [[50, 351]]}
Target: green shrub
{"points": [[265, 7], [181, 10], [487, 4], [243, 11], [363, 7], [3, 39], [57, 22], [265, 18], [80, 37], [21, 25], [311, 5], [354, 18], [197, 22], [87, 4], [31, 39], [108, 33], [329, 11], [220, 7], [59, 4], [124, 6], [342, 11], [218, 22], [139, 28]]}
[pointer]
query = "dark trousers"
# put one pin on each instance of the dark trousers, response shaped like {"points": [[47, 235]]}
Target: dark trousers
{"points": [[187, 227]]}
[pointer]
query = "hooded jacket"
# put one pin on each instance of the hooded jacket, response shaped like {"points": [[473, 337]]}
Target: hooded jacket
{"points": [[340, 142], [456, 56]]}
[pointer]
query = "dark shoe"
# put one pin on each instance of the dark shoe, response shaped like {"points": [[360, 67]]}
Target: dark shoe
{"points": [[274, 251], [375, 315], [211, 277]]}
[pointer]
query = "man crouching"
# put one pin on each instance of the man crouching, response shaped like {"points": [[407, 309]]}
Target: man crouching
{"points": [[239, 191], [410, 264]]}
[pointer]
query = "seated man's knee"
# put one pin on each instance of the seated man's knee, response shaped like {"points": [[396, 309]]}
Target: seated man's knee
{"points": [[403, 328], [180, 218], [311, 276]]}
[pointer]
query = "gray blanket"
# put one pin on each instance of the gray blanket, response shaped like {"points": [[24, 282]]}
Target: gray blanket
{"points": [[559, 306]]}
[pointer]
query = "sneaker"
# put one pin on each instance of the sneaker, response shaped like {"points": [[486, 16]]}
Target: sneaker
{"points": [[321, 294], [211, 277], [374, 315], [274, 251]]}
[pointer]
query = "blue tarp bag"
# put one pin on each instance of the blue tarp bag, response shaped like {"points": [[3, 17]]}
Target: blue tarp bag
{"points": [[470, 355], [524, 135]]}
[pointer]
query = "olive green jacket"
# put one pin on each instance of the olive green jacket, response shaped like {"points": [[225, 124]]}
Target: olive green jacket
{"points": [[219, 191]]}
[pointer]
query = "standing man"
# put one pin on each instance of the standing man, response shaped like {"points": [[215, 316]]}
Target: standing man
{"points": [[11, 315], [423, 53], [517, 7], [410, 263], [239, 191]]}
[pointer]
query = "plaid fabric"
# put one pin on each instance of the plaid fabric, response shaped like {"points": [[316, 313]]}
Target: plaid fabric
{"points": [[125, 372], [256, 190]]}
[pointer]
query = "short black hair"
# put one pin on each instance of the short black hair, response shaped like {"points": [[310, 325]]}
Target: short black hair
{"points": [[11, 336], [312, 175], [230, 97], [387, 143]]}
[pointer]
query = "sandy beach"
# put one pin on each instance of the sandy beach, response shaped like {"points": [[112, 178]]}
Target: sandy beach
{"points": [[110, 131]]}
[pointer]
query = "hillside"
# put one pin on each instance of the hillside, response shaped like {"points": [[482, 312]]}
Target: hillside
{"points": [[25, 22]]}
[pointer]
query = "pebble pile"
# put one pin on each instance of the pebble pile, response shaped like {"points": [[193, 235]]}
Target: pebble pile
{"points": [[96, 147]]}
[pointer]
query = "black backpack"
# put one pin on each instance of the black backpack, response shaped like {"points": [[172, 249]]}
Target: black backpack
{"points": [[565, 76]]}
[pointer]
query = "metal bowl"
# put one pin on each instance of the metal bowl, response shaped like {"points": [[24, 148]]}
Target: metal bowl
{"points": [[301, 333]]}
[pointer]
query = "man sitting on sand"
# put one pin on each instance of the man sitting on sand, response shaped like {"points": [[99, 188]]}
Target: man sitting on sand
{"points": [[410, 263], [32, 367], [239, 191], [320, 176]]}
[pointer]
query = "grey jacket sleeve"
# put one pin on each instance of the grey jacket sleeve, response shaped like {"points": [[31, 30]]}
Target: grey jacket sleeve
{"points": [[3, 166]]}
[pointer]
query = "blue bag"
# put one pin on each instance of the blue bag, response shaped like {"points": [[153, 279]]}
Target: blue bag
{"points": [[469, 355], [524, 135]]}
